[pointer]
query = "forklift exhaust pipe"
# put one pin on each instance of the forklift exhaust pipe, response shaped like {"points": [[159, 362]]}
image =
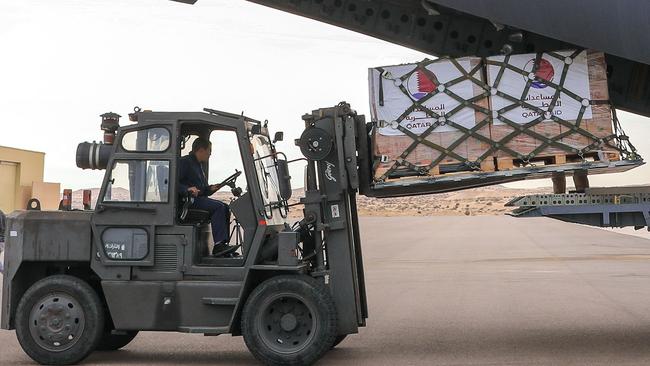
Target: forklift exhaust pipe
{"points": [[93, 155]]}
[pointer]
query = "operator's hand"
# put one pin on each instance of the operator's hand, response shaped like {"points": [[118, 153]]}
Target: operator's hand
{"points": [[215, 187], [194, 191]]}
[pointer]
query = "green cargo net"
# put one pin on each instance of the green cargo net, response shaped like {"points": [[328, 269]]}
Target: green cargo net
{"points": [[618, 140]]}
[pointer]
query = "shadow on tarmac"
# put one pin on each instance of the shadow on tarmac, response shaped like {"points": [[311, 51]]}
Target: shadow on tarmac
{"points": [[426, 346]]}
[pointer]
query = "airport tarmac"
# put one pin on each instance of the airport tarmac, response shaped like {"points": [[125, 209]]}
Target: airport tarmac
{"points": [[464, 291]]}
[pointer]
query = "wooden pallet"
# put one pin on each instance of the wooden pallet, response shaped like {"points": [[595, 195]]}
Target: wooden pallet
{"points": [[500, 164], [507, 163], [438, 170]]}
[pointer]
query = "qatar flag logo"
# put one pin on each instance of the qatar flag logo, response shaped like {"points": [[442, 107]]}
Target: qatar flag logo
{"points": [[545, 71], [421, 83]]}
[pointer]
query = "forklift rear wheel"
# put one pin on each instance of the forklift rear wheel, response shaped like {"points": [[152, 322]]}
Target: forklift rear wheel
{"points": [[289, 320], [113, 342], [59, 320]]}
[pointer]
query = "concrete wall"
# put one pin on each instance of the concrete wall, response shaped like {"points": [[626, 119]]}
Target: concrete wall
{"points": [[8, 184], [19, 169], [49, 194]]}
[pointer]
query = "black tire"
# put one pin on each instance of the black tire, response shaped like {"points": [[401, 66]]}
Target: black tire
{"points": [[289, 320], [46, 332], [113, 342], [339, 339]]}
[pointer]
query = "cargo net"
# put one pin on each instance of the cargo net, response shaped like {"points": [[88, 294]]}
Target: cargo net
{"points": [[590, 143]]}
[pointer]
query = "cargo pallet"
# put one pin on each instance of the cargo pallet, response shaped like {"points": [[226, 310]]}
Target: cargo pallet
{"points": [[498, 146], [452, 182], [507, 164]]}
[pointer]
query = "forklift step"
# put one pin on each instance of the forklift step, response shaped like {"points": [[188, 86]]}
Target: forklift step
{"points": [[205, 330], [220, 300]]}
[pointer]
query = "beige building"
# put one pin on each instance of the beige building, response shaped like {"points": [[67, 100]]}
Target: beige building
{"points": [[21, 178]]}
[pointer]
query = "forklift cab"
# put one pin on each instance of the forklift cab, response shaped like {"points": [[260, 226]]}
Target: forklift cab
{"points": [[225, 159], [145, 228]]}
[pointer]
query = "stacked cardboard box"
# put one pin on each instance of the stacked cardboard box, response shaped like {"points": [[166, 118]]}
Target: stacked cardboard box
{"points": [[566, 84], [395, 92], [473, 114]]}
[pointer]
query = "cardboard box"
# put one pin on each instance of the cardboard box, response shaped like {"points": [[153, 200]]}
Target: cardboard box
{"points": [[417, 102], [413, 104], [565, 85]]}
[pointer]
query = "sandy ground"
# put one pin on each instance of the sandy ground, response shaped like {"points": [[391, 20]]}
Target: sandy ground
{"points": [[465, 291]]}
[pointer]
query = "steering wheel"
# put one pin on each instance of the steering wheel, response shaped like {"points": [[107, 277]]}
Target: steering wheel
{"points": [[230, 181]]}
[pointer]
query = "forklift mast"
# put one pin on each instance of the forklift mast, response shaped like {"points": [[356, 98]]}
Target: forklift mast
{"points": [[333, 142]]}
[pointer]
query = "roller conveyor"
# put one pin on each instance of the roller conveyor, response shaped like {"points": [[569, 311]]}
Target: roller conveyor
{"points": [[602, 207]]}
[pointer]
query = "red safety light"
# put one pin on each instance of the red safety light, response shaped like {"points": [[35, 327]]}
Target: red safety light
{"points": [[66, 203], [87, 198], [262, 222]]}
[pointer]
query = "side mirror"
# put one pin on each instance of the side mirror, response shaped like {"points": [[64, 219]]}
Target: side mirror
{"points": [[284, 179], [279, 136]]}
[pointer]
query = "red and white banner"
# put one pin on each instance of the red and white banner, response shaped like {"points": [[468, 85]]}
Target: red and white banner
{"points": [[422, 82], [540, 93]]}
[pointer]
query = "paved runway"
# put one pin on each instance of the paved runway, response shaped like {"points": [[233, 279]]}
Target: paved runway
{"points": [[465, 291]]}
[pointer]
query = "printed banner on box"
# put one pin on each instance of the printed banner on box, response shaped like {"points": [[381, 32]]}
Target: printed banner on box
{"points": [[420, 84], [541, 94]]}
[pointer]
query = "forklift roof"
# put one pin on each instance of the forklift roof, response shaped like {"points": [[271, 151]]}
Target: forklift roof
{"points": [[218, 119]]}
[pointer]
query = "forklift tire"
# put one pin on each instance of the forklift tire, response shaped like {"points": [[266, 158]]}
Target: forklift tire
{"points": [[59, 320], [289, 320], [113, 342]]}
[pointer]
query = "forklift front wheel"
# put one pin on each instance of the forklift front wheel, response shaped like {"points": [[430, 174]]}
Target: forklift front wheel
{"points": [[59, 320], [289, 320]]}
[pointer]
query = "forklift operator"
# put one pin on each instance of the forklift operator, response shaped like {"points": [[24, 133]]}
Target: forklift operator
{"points": [[193, 179]]}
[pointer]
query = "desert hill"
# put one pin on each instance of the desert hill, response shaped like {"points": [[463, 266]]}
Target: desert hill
{"points": [[473, 202]]}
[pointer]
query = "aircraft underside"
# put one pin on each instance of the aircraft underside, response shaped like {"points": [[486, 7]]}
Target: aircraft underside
{"points": [[483, 28]]}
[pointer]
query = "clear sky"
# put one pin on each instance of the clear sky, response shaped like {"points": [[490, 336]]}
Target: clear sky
{"points": [[64, 62]]}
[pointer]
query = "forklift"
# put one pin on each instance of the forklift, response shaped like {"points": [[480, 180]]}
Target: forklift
{"points": [[79, 281], [76, 281]]}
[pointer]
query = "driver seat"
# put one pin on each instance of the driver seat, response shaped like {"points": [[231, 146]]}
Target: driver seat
{"points": [[189, 215]]}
